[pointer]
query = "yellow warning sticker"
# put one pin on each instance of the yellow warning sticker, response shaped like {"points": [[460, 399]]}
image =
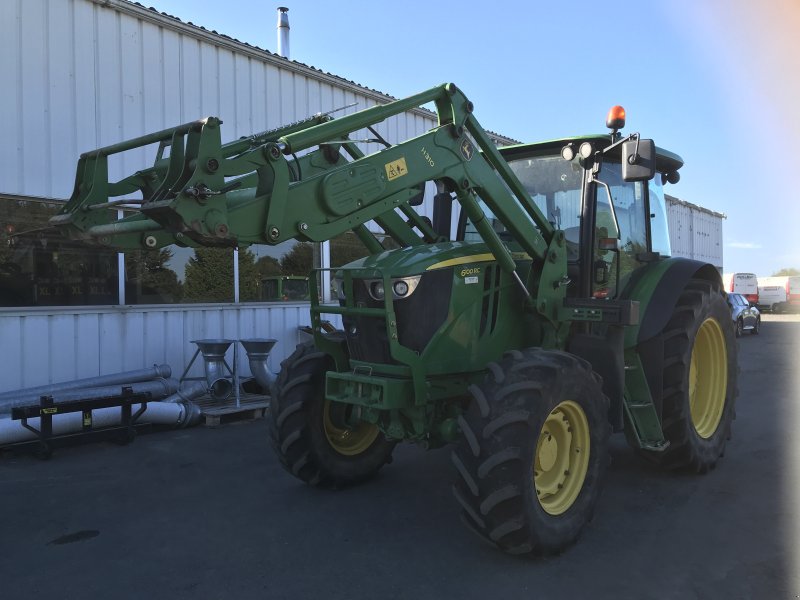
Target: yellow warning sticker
{"points": [[396, 168]]}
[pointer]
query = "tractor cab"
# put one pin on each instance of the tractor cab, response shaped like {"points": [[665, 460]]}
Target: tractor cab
{"points": [[577, 181]]}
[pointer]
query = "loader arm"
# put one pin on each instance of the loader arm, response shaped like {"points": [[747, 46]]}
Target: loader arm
{"points": [[307, 181]]}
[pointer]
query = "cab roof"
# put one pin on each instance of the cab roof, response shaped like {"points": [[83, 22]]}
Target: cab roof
{"points": [[666, 161]]}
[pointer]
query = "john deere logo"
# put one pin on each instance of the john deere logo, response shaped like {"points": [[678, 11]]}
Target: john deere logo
{"points": [[466, 149]]}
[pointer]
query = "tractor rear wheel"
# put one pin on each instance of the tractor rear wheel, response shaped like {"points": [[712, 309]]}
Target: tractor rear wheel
{"points": [[312, 436], [534, 451], [699, 379]]}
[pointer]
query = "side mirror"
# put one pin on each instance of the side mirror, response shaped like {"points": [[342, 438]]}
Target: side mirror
{"points": [[638, 160]]}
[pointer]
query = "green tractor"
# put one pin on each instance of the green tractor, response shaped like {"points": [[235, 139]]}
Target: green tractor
{"points": [[524, 328], [284, 288]]}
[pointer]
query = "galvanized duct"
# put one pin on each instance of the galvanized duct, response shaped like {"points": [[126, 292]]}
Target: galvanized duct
{"points": [[191, 390], [258, 350], [154, 372], [160, 413], [219, 386], [158, 388]]}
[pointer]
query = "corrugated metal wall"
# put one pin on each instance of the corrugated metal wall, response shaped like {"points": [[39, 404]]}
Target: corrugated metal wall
{"points": [[46, 346], [86, 74], [80, 74], [695, 232]]}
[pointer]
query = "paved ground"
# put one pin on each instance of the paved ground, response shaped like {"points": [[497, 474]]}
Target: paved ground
{"points": [[208, 513]]}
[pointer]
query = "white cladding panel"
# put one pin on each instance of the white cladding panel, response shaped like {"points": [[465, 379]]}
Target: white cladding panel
{"points": [[695, 233], [81, 74], [85, 75], [42, 346]]}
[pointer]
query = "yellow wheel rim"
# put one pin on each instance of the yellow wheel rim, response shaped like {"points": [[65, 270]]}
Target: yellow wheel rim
{"points": [[708, 378], [348, 442], [562, 457]]}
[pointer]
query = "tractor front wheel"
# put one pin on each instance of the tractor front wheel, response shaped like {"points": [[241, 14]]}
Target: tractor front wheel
{"points": [[534, 451], [314, 438]]}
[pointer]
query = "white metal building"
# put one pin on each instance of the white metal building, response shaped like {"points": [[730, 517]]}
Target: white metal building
{"points": [[695, 232], [81, 74]]}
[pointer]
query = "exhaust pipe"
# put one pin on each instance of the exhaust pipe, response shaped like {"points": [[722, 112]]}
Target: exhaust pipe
{"points": [[153, 372], [158, 388], [219, 386], [258, 350], [177, 414]]}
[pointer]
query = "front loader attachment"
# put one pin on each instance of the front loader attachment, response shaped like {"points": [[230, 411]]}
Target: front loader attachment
{"points": [[307, 181]]}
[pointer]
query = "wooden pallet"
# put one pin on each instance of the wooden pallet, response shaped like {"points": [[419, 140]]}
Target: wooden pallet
{"points": [[251, 406]]}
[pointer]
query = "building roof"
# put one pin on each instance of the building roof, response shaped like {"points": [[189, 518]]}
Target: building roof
{"points": [[674, 200], [163, 19]]}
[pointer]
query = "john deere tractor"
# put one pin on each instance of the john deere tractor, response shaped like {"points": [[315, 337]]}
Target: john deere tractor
{"points": [[537, 312]]}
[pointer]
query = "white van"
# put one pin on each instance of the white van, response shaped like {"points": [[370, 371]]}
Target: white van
{"points": [[745, 284], [779, 294]]}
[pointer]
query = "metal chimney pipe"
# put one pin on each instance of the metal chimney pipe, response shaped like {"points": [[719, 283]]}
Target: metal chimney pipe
{"points": [[258, 350], [219, 386], [283, 31]]}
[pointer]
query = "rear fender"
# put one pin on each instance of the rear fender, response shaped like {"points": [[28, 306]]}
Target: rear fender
{"points": [[657, 288]]}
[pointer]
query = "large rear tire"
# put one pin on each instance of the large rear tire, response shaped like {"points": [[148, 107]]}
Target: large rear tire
{"points": [[699, 378], [308, 432], [534, 451]]}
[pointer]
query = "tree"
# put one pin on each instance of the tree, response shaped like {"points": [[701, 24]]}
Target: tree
{"points": [[786, 271], [149, 279], [268, 266], [346, 248], [249, 277], [298, 260], [209, 276]]}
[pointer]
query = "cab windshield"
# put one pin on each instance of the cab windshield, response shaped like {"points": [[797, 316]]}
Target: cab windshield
{"points": [[554, 184], [621, 212]]}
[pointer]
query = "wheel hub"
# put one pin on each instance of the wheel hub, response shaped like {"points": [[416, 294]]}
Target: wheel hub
{"points": [[708, 378], [348, 440], [562, 457]]}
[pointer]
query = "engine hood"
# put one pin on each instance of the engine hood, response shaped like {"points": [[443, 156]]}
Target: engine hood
{"points": [[416, 260]]}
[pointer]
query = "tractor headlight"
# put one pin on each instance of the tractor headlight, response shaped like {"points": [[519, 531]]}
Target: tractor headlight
{"points": [[376, 290], [402, 287]]}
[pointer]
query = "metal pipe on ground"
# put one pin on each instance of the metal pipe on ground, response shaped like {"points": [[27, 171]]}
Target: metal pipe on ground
{"points": [[158, 388], [178, 414], [154, 372], [190, 390]]}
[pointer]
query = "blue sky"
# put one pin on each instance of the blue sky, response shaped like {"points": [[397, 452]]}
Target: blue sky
{"points": [[717, 81]]}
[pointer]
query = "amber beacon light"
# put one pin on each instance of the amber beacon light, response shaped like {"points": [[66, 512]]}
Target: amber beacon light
{"points": [[616, 118]]}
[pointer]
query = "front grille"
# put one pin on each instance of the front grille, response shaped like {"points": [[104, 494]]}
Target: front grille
{"points": [[418, 317], [366, 336], [425, 311]]}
